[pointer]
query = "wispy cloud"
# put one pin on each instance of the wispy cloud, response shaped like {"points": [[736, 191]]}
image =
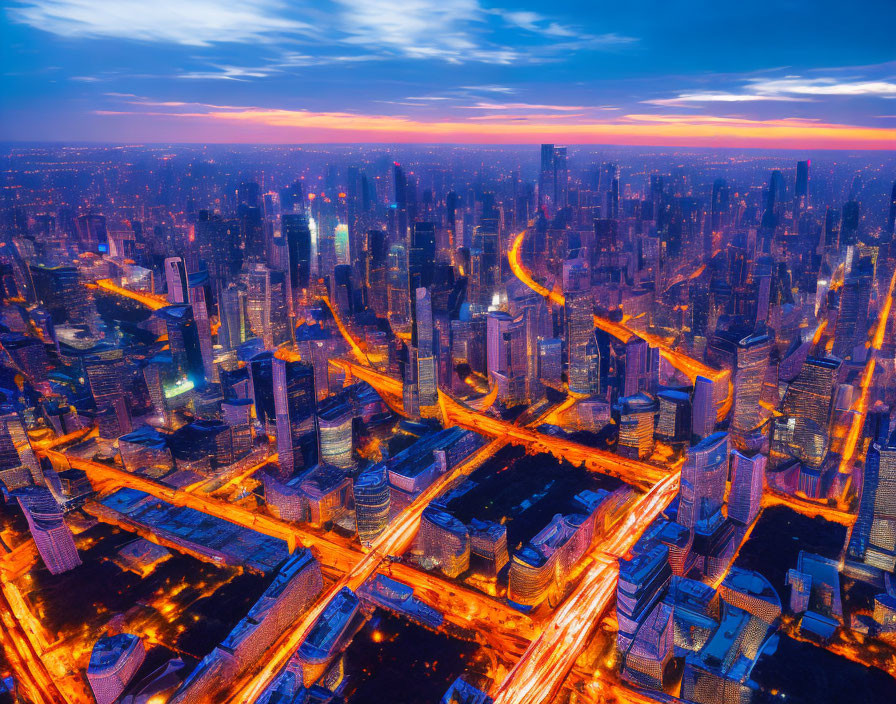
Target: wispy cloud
{"points": [[787, 89], [522, 106], [822, 86], [191, 22], [456, 31], [490, 88]]}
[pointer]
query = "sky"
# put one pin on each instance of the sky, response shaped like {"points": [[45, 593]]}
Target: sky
{"points": [[802, 74]]}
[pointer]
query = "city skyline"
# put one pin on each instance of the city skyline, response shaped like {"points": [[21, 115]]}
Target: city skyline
{"points": [[456, 72], [447, 352]]}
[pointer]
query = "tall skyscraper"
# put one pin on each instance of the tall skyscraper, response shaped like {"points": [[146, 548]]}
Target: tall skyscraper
{"points": [[578, 314], [427, 370], [51, 535], [18, 465], [295, 229], [235, 328], [704, 408], [747, 482], [810, 395], [422, 255], [752, 363], [703, 480], [295, 407], [852, 320], [267, 305], [176, 280], [183, 338], [874, 536], [553, 180], [372, 502], [637, 367], [507, 355]]}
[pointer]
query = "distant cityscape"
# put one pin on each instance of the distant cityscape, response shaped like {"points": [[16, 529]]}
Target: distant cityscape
{"points": [[459, 424]]}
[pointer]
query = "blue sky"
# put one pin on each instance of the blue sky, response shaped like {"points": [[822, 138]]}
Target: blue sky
{"points": [[786, 73]]}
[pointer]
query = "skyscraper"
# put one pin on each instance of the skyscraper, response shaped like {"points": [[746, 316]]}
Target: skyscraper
{"points": [[553, 180], [703, 480], [266, 304], [422, 255], [295, 404], [235, 328], [578, 312], [704, 408], [507, 354], [183, 338], [637, 367], [295, 229], [18, 465], [852, 320], [874, 536], [53, 538], [427, 374], [372, 502], [752, 363], [747, 482], [176, 280]]}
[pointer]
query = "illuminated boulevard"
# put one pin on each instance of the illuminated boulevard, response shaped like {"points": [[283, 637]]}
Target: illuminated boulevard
{"points": [[540, 672]]}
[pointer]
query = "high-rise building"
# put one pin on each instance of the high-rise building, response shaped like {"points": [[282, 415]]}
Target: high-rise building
{"points": [[183, 338], [703, 480], [266, 304], [642, 582], [507, 354], [704, 409], [235, 328], [295, 404], [372, 503], [674, 421], [810, 394], [176, 280], [445, 541], [874, 536], [51, 535], [583, 369], [852, 320], [636, 426], [334, 420], [423, 339], [638, 372], [297, 233], [422, 255], [18, 465], [550, 361], [114, 660], [553, 180], [747, 482], [752, 363]]}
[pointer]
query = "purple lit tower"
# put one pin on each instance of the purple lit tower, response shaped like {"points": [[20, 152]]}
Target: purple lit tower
{"points": [[53, 538]]}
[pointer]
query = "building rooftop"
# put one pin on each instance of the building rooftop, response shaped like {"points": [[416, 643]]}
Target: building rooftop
{"points": [[107, 651], [324, 636]]}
